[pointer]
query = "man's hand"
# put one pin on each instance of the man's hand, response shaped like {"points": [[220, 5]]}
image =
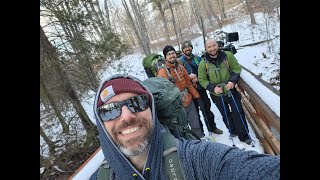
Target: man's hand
{"points": [[194, 79], [218, 90], [193, 76], [229, 85]]}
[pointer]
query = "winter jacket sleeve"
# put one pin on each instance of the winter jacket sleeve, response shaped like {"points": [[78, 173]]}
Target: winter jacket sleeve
{"points": [[191, 89], [235, 67], [208, 160]]}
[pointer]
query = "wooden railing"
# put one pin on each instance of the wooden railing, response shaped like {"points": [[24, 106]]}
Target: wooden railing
{"points": [[261, 118]]}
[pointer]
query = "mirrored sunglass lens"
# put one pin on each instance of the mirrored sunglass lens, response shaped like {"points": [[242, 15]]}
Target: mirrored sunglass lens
{"points": [[110, 111], [138, 103]]}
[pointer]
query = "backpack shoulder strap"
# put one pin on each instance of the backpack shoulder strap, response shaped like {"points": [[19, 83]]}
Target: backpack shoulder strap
{"points": [[104, 171], [180, 67], [172, 164], [168, 73], [207, 65], [226, 63]]}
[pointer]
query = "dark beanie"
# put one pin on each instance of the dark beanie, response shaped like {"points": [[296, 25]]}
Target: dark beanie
{"points": [[167, 49], [118, 86], [186, 43]]}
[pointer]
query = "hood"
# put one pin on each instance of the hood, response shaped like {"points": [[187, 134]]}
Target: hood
{"points": [[120, 165]]}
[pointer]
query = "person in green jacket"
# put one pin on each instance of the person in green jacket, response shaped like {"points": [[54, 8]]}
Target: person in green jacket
{"points": [[218, 73]]}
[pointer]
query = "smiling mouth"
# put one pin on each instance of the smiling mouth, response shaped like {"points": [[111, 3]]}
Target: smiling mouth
{"points": [[129, 131]]}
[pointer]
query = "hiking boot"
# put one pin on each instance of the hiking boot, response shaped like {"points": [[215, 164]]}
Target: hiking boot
{"points": [[217, 131], [248, 141]]}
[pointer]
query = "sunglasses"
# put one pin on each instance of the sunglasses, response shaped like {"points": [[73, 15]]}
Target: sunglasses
{"points": [[111, 111]]}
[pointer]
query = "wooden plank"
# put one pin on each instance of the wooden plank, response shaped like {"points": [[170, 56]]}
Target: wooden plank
{"points": [[267, 134], [84, 164], [253, 124], [267, 147], [260, 106], [275, 144], [249, 110]]}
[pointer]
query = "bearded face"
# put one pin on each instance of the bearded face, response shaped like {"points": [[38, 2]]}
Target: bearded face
{"points": [[171, 57], [187, 50], [131, 131], [212, 48]]}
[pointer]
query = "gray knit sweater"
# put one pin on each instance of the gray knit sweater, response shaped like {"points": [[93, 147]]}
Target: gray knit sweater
{"points": [[207, 160]]}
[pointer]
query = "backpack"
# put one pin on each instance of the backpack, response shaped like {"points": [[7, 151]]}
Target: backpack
{"points": [[151, 63], [169, 107]]}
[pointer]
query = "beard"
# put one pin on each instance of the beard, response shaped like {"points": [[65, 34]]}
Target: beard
{"points": [[187, 53], [136, 145], [213, 52], [172, 60], [134, 152]]}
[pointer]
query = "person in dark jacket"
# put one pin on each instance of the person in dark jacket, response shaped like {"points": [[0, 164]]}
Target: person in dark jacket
{"points": [[191, 61], [218, 73], [132, 144]]}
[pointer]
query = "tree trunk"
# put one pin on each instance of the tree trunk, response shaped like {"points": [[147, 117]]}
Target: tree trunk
{"points": [[136, 31], [250, 11], [125, 29], [223, 12], [216, 17], [65, 127], [174, 24], [95, 27], [71, 29], [206, 8], [107, 13], [47, 50], [278, 13], [51, 144], [196, 12], [82, 53], [164, 20], [141, 25]]}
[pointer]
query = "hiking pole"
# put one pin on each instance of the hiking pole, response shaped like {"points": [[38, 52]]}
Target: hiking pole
{"points": [[225, 112], [234, 101]]}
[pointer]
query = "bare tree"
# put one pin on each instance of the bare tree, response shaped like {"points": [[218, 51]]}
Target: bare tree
{"points": [[213, 13], [158, 4], [46, 93], [106, 8], [250, 9], [221, 9], [140, 20], [174, 23], [48, 53], [51, 144], [137, 24], [194, 4]]}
